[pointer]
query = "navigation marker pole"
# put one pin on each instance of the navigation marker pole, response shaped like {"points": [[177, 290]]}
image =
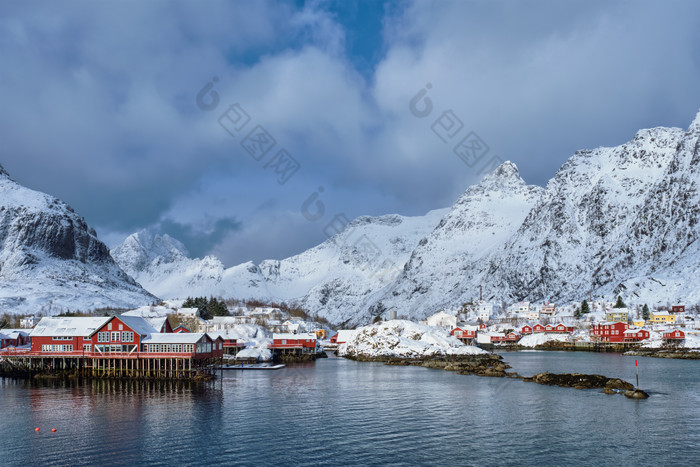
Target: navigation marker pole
{"points": [[636, 367]]}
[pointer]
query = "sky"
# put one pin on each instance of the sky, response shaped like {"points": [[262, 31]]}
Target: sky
{"points": [[247, 129]]}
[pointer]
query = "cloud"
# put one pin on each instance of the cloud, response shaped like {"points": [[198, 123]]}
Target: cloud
{"points": [[199, 242], [100, 110]]}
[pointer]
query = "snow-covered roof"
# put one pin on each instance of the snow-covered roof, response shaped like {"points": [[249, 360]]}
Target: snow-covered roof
{"points": [[286, 335], [345, 335], [157, 323], [72, 326], [138, 324], [174, 338], [149, 312]]}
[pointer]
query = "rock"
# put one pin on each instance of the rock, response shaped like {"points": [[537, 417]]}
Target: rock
{"points": [[617, 383], [636, 394], [608, 390], [579, 381]]}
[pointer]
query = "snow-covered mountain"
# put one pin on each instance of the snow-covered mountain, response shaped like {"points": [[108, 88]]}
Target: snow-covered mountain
{"points": [[612, 220], [162, 266], [51, 260]]}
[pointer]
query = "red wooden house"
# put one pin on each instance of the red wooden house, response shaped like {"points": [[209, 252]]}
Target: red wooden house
{"points": [[482, 326], [298, 343], [466, 334], [675, 336], [65, 336], [562, 328], [121, 334], [609, 332], [527, 329], [14, 338], [181, 328], [538, 328], [678, 309], [195, 345], [636, 335], [511, 337]]}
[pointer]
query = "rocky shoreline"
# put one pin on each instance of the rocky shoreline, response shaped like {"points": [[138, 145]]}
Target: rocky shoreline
{"points": [[682, 354], [492, 365]]}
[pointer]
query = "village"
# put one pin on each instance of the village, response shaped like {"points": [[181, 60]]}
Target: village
{"points": [[167, 341]]}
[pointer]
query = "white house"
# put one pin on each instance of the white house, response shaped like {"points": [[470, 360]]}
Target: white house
{"points": [[28, 322], [533, 315], [442, 320], [523, 307], [484, 310]]}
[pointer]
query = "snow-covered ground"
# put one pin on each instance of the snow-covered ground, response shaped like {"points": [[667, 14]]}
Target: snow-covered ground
{"points": [[532, 340], [404, 339]]}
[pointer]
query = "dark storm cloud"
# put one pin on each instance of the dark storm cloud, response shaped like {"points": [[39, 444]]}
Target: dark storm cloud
{"points": [[199, 240]]}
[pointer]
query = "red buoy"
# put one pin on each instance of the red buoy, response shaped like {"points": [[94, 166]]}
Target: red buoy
{"points": [[36, 429], [53, 430]]}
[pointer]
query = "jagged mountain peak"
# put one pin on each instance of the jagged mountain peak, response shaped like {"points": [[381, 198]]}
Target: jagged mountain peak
{"points": [[504, 175], [3, 172]]}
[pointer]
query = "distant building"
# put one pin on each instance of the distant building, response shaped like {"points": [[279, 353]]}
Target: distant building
{"points": [[342, 336], [617, 314], [442, 320], [548, 309], [523, 307], [484, 310], [533, 315], [673, 337], [465, 333], [664, 318], [609, 332], [678, 309], [636, 335], [28, 322]]}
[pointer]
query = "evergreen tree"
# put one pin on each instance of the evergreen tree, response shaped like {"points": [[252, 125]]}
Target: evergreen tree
{"points": [[619, 303], [584, 307], [645, 312], [577, 313]]}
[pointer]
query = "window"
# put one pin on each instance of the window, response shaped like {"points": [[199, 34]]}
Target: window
{"points": [[102, 337], [115, 336], [62, 338], [87, 347], [284, 341], [121, 327], [127, 336]]}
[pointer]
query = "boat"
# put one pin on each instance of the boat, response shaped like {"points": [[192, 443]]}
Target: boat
{"points": [[260, 366]]}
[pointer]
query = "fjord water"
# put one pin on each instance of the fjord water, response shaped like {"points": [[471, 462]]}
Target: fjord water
{"points": [[338, 411]]}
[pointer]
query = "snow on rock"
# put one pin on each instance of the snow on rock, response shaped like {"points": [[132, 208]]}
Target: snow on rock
{"points": [[261, 354], [403, 339], [533, 340], [52, 261]]}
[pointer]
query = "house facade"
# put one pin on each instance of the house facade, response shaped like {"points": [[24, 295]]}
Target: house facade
{"points": [[609, 332]]}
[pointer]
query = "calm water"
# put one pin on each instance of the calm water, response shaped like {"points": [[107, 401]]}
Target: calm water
{"points": [[342, 412]]}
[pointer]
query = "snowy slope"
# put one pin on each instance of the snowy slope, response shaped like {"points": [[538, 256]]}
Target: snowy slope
{"points": [[618, 220], [330, 279], [446, 268], [161, 265], [50, 260]]}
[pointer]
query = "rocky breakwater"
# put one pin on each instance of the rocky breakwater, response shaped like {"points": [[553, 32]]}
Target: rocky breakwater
{"points": [[585, 381]]}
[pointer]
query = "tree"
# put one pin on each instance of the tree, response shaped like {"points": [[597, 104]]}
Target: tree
{"points": [[584, 307], [577, 313], [645, 312], [619, 303]]}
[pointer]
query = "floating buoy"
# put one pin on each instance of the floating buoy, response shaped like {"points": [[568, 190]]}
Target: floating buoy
{"points": [[53, 430], [36, 429]]}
